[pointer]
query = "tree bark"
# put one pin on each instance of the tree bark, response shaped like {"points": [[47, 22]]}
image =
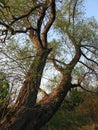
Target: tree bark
{"points": [[28, 93], [34, 118]]}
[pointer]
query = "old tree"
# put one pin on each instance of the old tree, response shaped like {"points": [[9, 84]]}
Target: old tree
{"points": [[73, 46]]}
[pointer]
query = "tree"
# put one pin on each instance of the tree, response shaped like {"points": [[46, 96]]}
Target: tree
{"points": [[34, 19]]}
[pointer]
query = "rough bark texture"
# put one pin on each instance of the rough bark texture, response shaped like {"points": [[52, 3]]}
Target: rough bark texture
{"points": [[31, 84], [34, 118]]}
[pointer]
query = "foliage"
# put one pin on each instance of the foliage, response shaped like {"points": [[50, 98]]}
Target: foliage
{"points": [[74, 99], [4, 94], [84, 115], [4, 89]]}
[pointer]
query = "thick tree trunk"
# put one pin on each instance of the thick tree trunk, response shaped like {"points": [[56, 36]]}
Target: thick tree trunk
{"points": [[34, 118], [28, 93]]}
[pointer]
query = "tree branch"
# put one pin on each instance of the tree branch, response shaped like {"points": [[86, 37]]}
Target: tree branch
{"points": [[19, 64], [77, 49], [89, 46], [89, 50], [57, 67], [89, 58], [51, 59], [79, 85], [41, 17], [74, 11], [25, 15], [89, 91], [49, 23], [69, 5], [87, 66]]}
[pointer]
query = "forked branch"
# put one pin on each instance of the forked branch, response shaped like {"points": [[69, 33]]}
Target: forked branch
{"points": [[49, 23]]}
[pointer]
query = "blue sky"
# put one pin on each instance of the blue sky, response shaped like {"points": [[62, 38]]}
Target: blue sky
{"points": [[91, 7]]}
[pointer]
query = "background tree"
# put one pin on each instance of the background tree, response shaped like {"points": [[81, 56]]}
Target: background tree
{"points": [[76, 45]]}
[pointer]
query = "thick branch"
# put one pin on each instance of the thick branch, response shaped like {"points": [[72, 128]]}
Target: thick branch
{"points": [[49, 23], [28, 93], [35, 38], [77, 49], [41, 17], [39, 24]]}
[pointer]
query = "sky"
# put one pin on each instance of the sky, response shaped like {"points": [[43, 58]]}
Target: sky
{"points": [[91, 7]]}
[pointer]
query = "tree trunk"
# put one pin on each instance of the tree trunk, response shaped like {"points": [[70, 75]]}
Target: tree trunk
{"points": [[28, 93], [34, 118]]}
